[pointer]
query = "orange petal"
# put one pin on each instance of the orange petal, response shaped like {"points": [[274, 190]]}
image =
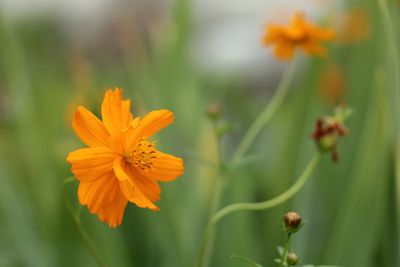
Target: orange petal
{"points": [[166, 167], [323, 34], [118, 141], [149, 125], [147, 185], [135, 123], [91, 163], [129, 186], [115, 111], [314, 48], [126, 184], [299, 21], [273, 34], [140, 199], [98, 193], [113, 213], [89, 128], [155, 121], [284, 51]]}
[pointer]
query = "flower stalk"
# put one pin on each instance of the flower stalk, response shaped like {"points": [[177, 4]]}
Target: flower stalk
{"points": [[285, 251], [265, 115], [78, 223], [220, 180]]}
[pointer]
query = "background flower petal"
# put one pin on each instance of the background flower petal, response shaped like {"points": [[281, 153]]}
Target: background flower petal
{"points": [[284, 51]]}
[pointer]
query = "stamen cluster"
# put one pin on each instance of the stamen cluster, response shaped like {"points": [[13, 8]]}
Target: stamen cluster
{"points": [[142, 156]]}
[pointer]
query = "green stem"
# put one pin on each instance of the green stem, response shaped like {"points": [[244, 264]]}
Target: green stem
{"points": [[77, 220], [251, 206], [219, 189], [215, 205], [285, 251], [266, 114]]}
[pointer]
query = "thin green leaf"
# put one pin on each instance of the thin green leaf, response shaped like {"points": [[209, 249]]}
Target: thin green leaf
{"points": [[250, 262]]}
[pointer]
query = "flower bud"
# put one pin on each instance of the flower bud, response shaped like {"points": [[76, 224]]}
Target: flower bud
{"points": [[292, 259], [292, 222], [213, 111]]}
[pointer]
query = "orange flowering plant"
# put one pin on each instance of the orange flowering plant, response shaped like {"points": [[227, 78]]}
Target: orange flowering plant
{"points": [[120, 164], [299, 34]]}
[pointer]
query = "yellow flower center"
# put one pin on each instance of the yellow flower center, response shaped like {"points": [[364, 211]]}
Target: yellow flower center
{"points": [[141, 157]]}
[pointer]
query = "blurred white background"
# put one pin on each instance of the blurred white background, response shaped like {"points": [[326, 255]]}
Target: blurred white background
{"points": [[226, 33]]}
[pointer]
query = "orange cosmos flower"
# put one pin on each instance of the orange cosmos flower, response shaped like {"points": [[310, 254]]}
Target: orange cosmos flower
{"points": [[299, 34], [120, 163], [355, 26]]}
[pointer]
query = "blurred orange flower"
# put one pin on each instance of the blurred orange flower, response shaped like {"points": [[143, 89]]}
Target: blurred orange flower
{"points": [[354, 25], [120, 164], [332, 84], [298, 34]]}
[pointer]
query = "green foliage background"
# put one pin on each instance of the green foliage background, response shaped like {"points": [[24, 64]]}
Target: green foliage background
{"points": [[350, 207]]}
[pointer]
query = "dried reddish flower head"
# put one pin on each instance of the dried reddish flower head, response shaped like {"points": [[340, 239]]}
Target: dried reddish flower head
{"points": [[328, 129], [299, 34], [120, 163]]}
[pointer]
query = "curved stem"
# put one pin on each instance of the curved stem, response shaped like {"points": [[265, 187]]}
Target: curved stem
{"points": [[77, 220], [250, 206], [266, 114]]}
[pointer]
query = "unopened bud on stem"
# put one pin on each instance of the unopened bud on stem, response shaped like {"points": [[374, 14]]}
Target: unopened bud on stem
{"points": [[214, 111], [292, 259], [292, 222]]}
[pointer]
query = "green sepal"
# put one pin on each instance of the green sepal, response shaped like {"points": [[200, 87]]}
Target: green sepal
{"points": [[292, 231]]}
